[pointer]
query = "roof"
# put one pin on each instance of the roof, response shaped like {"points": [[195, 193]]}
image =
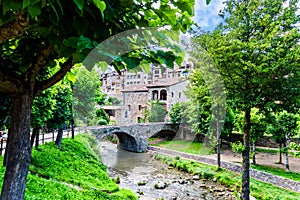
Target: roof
{"points": [[135, 88], [166, 82], [111, 107]]}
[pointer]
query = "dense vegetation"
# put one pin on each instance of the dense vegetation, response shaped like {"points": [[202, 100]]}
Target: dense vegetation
{"points": [[73, 172]]}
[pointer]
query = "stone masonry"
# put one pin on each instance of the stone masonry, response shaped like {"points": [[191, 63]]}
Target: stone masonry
{"points": [[133, 137]]}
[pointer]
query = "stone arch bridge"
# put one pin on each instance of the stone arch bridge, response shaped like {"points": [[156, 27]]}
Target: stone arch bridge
{"points": [[134, 137]]}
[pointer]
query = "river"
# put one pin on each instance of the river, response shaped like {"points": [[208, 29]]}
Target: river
{"points": [[140, 173]]}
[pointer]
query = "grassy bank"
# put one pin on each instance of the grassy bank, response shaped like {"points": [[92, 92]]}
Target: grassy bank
{"points": [[72, 172], [199, 149], [278, 172], [259, 190], [185, 146]]}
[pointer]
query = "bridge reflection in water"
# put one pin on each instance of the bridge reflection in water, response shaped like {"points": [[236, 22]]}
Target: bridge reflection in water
{"points": [[134, 137]]}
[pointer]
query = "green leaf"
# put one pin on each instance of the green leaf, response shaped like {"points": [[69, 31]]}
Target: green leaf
{"points": [[71, 77], [25, 3], [11, 5], [34, 10], [100, 4], [207, 2], [79, 3], [185, 6], [84, 43], [71, 42]]}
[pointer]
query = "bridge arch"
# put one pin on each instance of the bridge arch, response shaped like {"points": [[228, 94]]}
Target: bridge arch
{"points": [[126, 141], [134, 137], [166, 134]]}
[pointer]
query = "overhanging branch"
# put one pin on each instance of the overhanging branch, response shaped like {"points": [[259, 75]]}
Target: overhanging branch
{"points": [[42, 85], [39, 63]]}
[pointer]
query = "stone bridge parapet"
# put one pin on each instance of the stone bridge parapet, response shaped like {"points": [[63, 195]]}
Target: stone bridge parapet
{"points": [[133, 137]]}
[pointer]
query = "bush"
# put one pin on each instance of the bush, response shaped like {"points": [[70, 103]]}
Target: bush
{"points": [[237, 147], [102, 122], [294, 146]]}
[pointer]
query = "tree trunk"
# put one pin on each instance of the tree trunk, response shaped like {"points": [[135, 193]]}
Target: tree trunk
{"points": [[246, 157], [37, 138], [254, 153], [59, 136], [5, 159], [19, 148], [72, 128], [219, 143], [34, 136], [280, 153], [287, 166]]}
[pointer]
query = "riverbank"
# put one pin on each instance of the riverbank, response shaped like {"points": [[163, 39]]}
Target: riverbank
{"points": [[72, 172], [154, 180], [259, 189]]}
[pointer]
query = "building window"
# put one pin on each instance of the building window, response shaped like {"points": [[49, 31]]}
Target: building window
{"points": [[172, 94], [140, 107], [154, 95], [163, 95], [139, 76], [128, 107], [126, 114], [156, 72], [179, 95]]}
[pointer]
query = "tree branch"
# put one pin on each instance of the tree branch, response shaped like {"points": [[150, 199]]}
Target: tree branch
{"points": [[13, 29], [39, 63], [42, 85]]}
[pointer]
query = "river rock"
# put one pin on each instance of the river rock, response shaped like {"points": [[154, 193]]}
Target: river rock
{"points": [[140, 192], [160, 185], [196, 177]]}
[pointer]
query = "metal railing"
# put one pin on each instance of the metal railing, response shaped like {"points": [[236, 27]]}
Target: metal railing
{"points": [[45, 137]]}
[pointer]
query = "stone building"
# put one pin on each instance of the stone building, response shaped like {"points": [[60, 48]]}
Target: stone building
{"points": [[137, 89]]}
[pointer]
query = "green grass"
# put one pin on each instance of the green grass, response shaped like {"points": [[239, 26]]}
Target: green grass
{"points": [[278, 171], [72, 172], [186, 146], [259, 190], [270, 151]]}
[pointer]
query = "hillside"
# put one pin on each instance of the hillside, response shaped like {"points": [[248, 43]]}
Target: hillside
{"points": [[72, 172]]}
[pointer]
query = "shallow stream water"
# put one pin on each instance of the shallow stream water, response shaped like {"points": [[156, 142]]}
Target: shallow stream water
{"points": [[140, 173]]}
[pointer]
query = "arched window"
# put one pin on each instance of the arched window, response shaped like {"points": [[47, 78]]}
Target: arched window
{"points": [[154, 95], [126, 114], [163, 95]]}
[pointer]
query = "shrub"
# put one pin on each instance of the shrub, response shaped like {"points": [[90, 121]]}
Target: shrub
{"points": [[237, 147]]}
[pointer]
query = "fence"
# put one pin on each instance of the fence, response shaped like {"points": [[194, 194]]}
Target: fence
{"points": [[45, 137]]}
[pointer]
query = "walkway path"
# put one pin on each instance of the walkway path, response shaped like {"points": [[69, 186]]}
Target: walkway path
{"points": [[262, 176]]}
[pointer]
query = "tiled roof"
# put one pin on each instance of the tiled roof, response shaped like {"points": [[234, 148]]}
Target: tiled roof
{"points": [[135, 88], [166, 82]]}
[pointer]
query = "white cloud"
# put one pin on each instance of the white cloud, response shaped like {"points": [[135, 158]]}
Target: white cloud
{"points": [[207, 16]]}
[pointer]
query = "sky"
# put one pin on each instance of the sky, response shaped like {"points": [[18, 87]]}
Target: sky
{"points": [[207, 15]]}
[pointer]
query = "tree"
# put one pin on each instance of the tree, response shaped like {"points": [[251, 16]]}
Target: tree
{"points": [[258, 127], [283, 126], [256, 51], [157, 112], [42, 111], [62, 112], [84, 92], [36, 33]]}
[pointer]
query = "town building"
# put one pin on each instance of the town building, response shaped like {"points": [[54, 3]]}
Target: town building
{"points": [[137, 89]]}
